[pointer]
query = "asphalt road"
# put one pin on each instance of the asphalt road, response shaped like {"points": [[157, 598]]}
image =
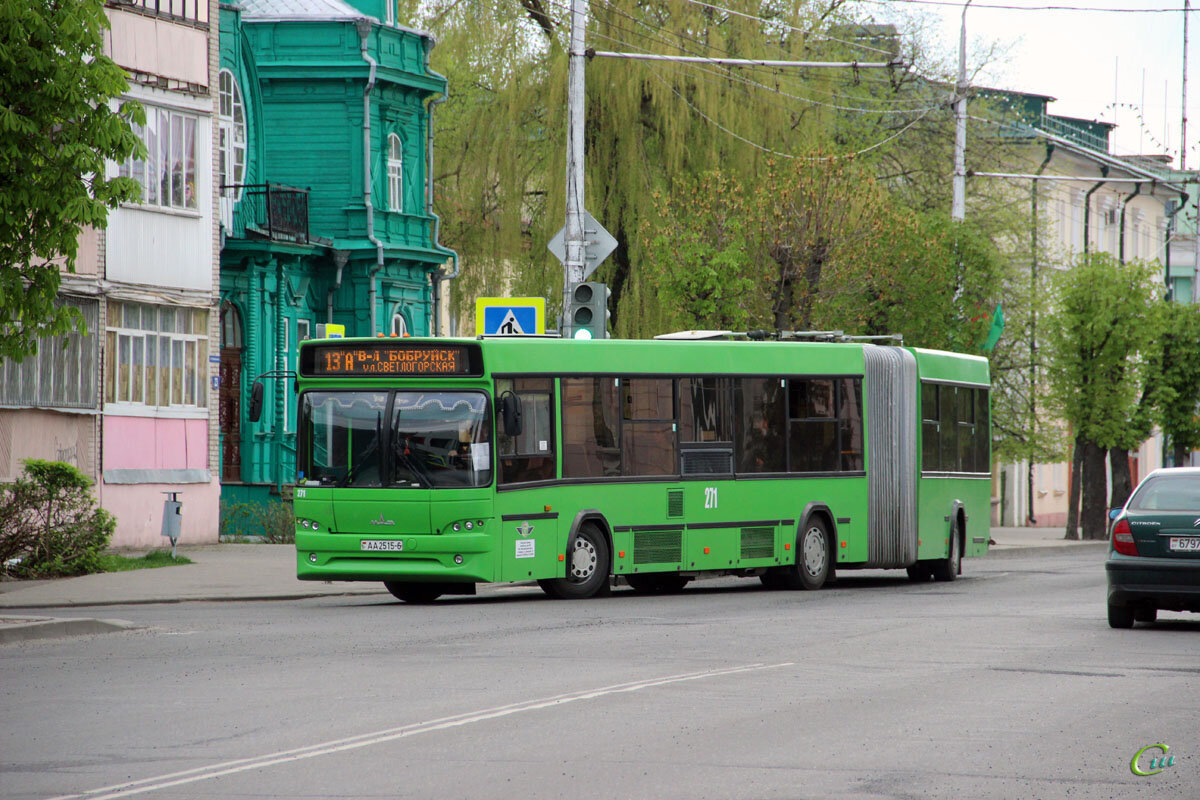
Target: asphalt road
{"points": [[1007, 683]]}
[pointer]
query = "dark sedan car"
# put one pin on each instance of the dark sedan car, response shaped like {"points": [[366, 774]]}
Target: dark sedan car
{"points": [[1154, 549]]}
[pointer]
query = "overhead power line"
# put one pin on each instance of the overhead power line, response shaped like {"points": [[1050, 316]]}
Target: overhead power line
{"points": [[1029, 8], [758, 62]]}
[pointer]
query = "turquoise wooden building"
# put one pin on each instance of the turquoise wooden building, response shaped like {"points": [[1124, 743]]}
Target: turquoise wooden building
{"points": [[326, 206]]}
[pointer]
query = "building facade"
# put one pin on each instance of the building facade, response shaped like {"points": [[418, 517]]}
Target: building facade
{"points": [[132, 403], [1084, 199], [325, 207]]}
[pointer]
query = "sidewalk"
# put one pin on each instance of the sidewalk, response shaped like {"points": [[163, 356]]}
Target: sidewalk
{"points": [[268, 572]]}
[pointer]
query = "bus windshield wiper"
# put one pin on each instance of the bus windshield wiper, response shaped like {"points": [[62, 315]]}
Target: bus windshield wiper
{"points": [[366, 453], [414, 469]]}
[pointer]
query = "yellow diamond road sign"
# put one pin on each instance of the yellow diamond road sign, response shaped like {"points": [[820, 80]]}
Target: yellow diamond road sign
{"points": [[510, 316]]}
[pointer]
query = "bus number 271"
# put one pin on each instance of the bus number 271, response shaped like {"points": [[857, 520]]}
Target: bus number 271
{"points": [[710, 497]]}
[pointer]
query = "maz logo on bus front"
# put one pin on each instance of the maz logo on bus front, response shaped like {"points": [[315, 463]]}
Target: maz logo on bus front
{"points": [[710, 497]]}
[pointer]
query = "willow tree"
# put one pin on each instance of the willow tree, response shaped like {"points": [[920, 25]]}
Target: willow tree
{"points": [[654, 129]]}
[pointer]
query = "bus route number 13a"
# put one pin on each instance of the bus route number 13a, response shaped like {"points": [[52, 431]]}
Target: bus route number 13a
{"points": [[710, 497]]}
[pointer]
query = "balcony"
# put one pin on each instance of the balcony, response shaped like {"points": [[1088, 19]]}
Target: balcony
{"points": [[266, 211]]}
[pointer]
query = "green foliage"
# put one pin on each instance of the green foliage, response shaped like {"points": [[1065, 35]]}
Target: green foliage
{"points": [[696, 254], [1100, 342], [1178, 383], [272, 522], [50, 524], [816, 245], [58, 127]]}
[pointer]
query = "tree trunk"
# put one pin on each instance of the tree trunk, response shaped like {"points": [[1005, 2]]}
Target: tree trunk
{"points": [[1122, 481], [1181, 455], [1093, 510], [1073, 492]]}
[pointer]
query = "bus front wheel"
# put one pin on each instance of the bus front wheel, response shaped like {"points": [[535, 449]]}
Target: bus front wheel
{"points": [[588, 563], [813, 555], [414, 593]]}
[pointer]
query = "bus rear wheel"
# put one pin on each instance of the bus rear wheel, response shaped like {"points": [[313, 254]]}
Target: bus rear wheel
{"points": [[414, 593], [588, 563], [947, 569]]}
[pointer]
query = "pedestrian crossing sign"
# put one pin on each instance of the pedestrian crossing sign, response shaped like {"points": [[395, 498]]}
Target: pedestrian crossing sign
{"points": [[510, 316]]}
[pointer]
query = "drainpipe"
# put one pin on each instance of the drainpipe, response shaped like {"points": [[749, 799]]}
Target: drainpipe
{"points": [[1167, 244], [364, 29], [437, 277], [1087, 210], [1124, 205], [1033, 278], [339, 260], [279, 363]]}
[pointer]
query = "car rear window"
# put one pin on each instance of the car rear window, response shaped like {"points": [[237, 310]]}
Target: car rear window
{"points": [[1175, 492]]}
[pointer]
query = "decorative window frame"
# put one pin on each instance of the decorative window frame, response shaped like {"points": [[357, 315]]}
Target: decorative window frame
{"points": [[395, 173], [233, 139]]}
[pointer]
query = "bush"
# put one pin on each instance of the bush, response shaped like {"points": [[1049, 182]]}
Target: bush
{"points": [[50, 523], [270, 522]]}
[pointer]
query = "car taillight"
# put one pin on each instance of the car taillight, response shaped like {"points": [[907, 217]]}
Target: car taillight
{"points": [[1122, 538]]}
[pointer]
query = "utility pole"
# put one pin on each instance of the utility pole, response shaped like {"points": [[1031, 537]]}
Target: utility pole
{"points": [[1183, 121], [573, 264], [959, 209]]}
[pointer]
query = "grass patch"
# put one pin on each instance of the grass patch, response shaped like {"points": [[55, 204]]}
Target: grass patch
{"points": [[113, 562]]}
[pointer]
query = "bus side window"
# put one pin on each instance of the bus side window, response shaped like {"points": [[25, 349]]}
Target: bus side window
{"points": [[528, 456], [762, 420]]}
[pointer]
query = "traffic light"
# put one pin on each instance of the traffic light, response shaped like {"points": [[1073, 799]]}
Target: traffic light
{"points": [[587, 314]]}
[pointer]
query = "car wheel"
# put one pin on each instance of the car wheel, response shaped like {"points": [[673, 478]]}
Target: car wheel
{"points": [[1145, 614], [1120, 616], [587, 567], [947, 569], [413, 593]]}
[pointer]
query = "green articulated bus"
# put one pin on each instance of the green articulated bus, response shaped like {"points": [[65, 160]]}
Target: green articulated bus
{"points": [[433, 465]]}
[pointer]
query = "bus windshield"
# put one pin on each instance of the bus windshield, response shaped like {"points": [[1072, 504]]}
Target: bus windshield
{"points": [[411, 439]]}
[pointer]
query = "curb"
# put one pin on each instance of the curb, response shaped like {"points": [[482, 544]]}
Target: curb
{"points": [[1054, 549], [228, 598], [51, 628]]}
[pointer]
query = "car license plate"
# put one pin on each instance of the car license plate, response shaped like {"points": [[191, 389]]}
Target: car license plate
{"points": [[1184, 544], [381, 545]]}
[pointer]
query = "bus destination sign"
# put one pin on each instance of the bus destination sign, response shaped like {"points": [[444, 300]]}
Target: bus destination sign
{"points": [[388, 359]]}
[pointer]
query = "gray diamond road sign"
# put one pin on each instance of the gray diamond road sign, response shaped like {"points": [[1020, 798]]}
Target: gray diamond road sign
{"points": [[599, 244]]}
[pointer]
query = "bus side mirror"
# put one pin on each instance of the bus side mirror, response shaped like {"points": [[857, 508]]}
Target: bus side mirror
{"points": [[510, 414], [256, 401]]}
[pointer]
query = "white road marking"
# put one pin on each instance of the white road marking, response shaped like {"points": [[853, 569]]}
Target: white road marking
{"points": [[390, 734]]}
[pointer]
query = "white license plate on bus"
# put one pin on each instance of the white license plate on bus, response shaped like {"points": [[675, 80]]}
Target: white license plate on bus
{"points": [[381, 545], [1184, 544]]}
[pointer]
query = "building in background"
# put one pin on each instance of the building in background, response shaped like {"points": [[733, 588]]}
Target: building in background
{"points": [[132, 404], [325, 204], [1086, 200]]}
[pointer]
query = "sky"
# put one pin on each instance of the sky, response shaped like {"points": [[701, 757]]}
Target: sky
{"points": [[1113, 66]]}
